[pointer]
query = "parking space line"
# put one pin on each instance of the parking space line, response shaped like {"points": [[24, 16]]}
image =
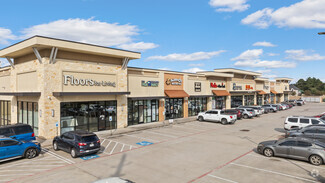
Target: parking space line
{"points": [[15, 170], [273, 172], [161, 134], [58, 156], [16, 174], [179, 126], [26, 162], [221, 178], [122, 148], [106, 146], [281, 159], [113, 148], [141, 137]]}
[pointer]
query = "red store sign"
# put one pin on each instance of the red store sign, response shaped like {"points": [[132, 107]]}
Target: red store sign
{"points": [[249, 87], [215, 85]]}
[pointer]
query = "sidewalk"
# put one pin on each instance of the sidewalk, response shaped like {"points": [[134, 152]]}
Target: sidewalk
{"points": [[46, 143]]}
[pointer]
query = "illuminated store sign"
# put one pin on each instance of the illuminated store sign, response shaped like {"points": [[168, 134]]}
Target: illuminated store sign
{"points": [[70, 79], [247, 87], [215, 85], [173, 82], [149, 83]]}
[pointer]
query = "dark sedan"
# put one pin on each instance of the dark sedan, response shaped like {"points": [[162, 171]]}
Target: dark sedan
{"points": [[316, 132], [77, 143], [295, 148], [234, 112]]}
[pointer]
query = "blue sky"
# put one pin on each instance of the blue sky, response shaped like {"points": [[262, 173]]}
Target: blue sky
{"points": [[278, 38]]}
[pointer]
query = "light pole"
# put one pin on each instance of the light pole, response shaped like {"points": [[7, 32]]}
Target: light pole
{"points": [[321, 33]]}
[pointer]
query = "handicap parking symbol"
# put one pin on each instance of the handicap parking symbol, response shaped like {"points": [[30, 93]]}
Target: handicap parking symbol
{"points": [[144, 143], [89, 157]]}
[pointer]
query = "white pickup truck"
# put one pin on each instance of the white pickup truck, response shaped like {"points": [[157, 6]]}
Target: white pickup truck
{"points": [[217, 116]]}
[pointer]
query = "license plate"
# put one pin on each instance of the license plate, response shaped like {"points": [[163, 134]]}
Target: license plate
{"points": [[91, 145]]}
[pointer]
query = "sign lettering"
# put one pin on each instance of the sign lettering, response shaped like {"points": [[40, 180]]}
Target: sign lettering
{"points": [[235, 87], [70, 79], [215, 85], [197, 87], [149, 83], [173, 82]]}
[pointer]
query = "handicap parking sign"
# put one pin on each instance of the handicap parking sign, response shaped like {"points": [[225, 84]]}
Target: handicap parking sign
{"points": [[89, 157], [144, 143]]}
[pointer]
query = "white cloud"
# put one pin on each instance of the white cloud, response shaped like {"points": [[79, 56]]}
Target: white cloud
{"points": [[302, 55], [90, 31], [264, 43], [140, 46], [267, 73], [272, 54], [196, 65], [304, 14], [251, 58], [187, 56], [249, 55], [229, 5], [193, 70], [3, 62], [6, 35]]}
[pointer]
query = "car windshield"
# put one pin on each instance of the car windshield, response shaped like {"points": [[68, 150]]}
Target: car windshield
{"points": [[91, 138], [320, 144]]}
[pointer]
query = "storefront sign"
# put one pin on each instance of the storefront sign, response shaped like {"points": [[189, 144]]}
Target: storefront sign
{"points": [[235, 87], [248, 87], [215, 85], [149, 83], [197, 87], [174, 82], [70, 79], [266, 87]]}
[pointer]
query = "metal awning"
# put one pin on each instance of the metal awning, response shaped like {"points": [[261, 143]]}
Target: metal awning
{"points": [[261, 92], [274, 92], [58, 94], [20, 94], [176, 93], [221, 92]]}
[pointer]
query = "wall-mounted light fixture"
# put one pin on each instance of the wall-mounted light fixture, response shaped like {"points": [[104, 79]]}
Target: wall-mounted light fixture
{"points": [[52, 112], [40, 113]]}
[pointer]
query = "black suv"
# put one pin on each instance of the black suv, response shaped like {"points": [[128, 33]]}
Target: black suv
{"points": [[77, 143], [316, 132]]}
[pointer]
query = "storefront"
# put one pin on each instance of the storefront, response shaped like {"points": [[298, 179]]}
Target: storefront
{"points": [[267, 98], [219, 99], [196, 105], [236, 101], [143, 111], [28, 114], [5, 113], [174, 108], [249, 100]]}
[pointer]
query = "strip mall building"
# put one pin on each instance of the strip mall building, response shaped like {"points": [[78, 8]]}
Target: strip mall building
{"points": [[57, 85]]}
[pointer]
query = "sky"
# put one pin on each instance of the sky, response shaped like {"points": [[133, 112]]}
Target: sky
{"points": [[277, 38]]}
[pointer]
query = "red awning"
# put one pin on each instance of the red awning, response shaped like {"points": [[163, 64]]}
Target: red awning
{"points": [[221, 92], [261, 92], [176, 93], [274, 92]]}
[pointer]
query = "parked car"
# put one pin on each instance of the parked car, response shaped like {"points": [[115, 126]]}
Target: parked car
{"points": [[12, 149], [284, 106], [300, 102], [270, 108], [217, 116], [296, 148], [320, 115], [233, 112], [247, 112], [18, 131], [301, 122], [257, 111], [77, 143], [315, 132], [294, 102]]}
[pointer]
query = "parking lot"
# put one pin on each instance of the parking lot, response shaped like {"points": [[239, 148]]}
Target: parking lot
{"points": [[185, 152]]}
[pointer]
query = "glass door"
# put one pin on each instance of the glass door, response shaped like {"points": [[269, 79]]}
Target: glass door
{"points": [[102, 116]]}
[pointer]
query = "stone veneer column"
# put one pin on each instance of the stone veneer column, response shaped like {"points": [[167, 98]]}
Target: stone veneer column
{"points": [[161, 109], [255, 99], [185, 107], [209, 103], [122, 113], [243, 100], [263, 99], [282, 98], [14, 111], [228, 102]]}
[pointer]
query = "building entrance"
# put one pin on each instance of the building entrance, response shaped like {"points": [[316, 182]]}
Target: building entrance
{"points": [[174, 108]]}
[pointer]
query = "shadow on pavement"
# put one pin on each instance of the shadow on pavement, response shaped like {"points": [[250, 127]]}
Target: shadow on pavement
{"points": [[281, 130]]}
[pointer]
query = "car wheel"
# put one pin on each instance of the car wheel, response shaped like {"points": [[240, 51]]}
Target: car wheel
{"points": [[315, 160], [73, 153], [55, 146], [245, 116], [224, 121], [31, 153], [201, 118], [272, 110], [268, 152]]}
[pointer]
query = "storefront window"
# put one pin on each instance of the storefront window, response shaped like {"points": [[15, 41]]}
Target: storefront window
{"points": [[286, 98], [142, 111], [266, 99], [278, 98], [236, 101], [174, 108], [196, 105], [272, 98], [28, 114], [5, 113], [88, 116], [219, 102], [259, 100], [249, 100]]}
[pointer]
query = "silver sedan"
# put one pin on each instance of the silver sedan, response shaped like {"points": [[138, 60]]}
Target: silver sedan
{"points": [[295, 148]]}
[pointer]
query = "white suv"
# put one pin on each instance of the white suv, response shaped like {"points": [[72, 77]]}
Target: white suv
{"points": [[301, 122]]}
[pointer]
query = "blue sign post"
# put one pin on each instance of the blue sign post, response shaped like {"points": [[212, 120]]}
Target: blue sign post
{"points": [[144, 143]]}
